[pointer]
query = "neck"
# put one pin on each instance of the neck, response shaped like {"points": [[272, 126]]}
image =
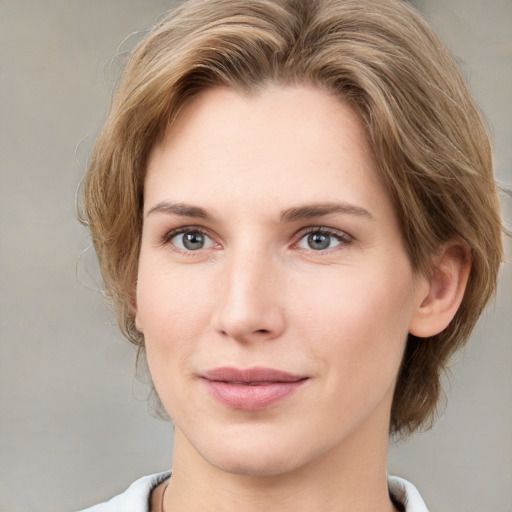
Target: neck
{"points": [[351, 478]]}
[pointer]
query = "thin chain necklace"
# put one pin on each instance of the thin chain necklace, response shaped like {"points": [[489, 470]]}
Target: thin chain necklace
{"points": [[163, 497]]}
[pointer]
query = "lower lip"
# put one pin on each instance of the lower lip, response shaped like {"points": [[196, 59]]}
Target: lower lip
{"points": [[252, 397]]}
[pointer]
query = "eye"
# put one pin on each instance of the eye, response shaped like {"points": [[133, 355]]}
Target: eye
{"points": [[322, 239], [192, 240]]}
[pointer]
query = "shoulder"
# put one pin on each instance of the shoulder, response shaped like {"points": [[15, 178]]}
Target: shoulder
{"points": [[135, 498], [404, 493]]}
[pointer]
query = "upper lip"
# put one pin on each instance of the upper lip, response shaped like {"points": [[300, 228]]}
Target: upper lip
{"points": [[250, 375]]}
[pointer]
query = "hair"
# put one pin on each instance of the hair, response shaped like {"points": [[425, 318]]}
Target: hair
{"points": [[382, 59]]}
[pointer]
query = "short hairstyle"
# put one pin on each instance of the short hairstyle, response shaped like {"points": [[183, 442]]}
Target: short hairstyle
{"points": [[380, 57]]}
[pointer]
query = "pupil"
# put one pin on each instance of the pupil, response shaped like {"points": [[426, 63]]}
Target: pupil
{"points": [[317, 241], [193, 241]]}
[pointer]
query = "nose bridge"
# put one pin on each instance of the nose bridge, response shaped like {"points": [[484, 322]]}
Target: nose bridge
{"points": [[249, 306]]}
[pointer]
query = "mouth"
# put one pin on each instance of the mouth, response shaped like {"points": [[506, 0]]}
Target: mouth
{"points": [[251, 389]]}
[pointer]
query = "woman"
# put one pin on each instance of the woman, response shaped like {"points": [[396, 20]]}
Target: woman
{"points": [[295, 213]]}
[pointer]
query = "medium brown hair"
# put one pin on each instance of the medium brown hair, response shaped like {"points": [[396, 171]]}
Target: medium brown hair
{"points": [[381, 58]]}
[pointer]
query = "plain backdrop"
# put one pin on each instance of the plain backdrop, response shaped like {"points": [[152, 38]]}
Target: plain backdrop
{"points": [[74, 426]]}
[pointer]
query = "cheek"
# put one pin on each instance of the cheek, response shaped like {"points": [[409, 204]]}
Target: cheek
{"points": [[170, 341], [362, 324], [168, 299], [173, 309]]}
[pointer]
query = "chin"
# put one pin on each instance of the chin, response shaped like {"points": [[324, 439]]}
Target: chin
{"points": [[255, 465], [258, 456]]}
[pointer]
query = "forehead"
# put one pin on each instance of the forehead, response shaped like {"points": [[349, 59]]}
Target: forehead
{"points": [[290, 144]]}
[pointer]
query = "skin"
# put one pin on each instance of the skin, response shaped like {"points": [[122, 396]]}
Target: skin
{"points": [[257, 294]]}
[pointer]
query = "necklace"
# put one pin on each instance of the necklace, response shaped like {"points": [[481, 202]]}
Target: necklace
{"points": [[163, 496]]}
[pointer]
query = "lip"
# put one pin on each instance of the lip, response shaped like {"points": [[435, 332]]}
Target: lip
{"points": [[251, 389]]}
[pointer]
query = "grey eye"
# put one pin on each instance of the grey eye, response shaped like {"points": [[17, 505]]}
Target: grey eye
{"points": [[191, 241], [319, 241]]}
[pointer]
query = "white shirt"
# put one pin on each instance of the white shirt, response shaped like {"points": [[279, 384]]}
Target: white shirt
{"points": [[136, 497]]}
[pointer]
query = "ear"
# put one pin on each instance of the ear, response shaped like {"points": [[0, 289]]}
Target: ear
{"points": [[440, 299], [133, 304], [136, 320]]}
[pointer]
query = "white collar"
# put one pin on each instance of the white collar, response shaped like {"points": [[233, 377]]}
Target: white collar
{"points": [[136, 497]]}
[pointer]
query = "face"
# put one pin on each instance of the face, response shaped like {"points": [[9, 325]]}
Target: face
{"points": [[274, 292]]}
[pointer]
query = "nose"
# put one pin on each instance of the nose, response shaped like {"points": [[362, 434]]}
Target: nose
{"points": [[251, 298]]}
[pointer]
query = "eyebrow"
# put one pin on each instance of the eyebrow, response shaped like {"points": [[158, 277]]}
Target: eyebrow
{"points": [[319, 209], [293, 214], [182, 209]]}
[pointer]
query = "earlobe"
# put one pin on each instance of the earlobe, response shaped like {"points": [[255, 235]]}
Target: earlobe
{"points": [[445, 289], [133, 303], [138, 325]]}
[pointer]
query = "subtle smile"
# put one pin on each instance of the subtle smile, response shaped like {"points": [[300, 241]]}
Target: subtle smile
{"points": [[251, 389]]}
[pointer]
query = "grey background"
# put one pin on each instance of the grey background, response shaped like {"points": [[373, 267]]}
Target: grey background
{"points": [[74, 425]]}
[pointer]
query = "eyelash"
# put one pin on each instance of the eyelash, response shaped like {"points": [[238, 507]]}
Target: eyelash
{"points": [[168, 236], [342, 237]]}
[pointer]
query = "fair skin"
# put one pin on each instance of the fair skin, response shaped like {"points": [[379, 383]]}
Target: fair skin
{"points": [[269, 241]]}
